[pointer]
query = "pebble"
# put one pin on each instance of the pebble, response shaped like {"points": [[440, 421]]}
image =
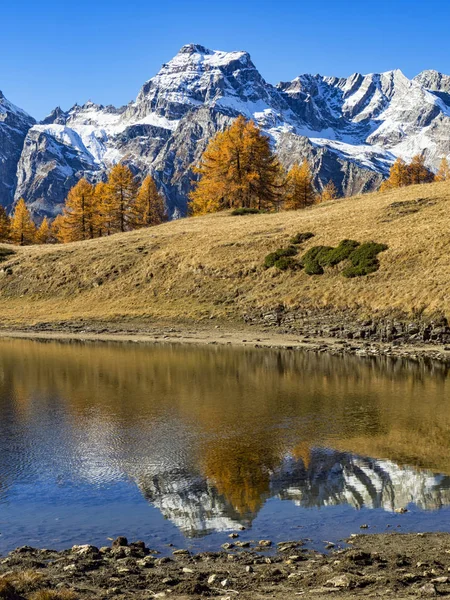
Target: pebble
{"points": [[212, 578]]}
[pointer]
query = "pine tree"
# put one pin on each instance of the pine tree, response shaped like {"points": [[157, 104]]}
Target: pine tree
{"points": [[329, 192], [80, 213], [148, 208], [43, 234], [23, 230], [237, 169], [443, 173], [399, 176], [418, 172], [5, 225], [299, 187], [120, 196]]}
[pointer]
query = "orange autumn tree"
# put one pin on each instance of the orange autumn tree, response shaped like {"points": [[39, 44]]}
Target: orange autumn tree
{"points": [[418, 172], [398, 176], [120, 196], [443, 173], [237, 170], [148, 208], [43, 234], [299, 192], [329, 192], [80, 214], [402, 174], [23, 230]]}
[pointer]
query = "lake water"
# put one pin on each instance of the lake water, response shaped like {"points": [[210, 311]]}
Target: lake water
{"points": [[182, 445]]}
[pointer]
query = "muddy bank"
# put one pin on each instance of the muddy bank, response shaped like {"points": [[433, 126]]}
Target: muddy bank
{"points": [[385, 565], [312, 332]]}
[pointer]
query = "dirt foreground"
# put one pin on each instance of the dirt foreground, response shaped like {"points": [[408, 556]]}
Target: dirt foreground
{"points": [[396, 566]]}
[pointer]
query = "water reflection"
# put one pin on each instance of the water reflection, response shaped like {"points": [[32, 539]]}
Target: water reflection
{"points": [[208, 435]]}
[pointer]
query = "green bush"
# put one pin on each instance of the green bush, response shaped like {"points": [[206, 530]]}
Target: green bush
{"points": [[364, 260], [238, 212], [272, 258], [313, 253], [334, 256], [286, 262], [300, 238], [5, 253], [313, 268]]}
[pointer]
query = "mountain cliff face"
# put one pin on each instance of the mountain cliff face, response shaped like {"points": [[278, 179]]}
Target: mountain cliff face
{"points": [[14, 125], [350, 129]]}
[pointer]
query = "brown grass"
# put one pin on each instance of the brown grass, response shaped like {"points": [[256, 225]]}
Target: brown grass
{"points": [[7, 591], [213, 265], [54, 595], [25, 581]]}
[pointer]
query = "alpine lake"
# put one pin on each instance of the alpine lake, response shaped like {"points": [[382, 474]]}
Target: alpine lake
{"points": [[180, 446]]}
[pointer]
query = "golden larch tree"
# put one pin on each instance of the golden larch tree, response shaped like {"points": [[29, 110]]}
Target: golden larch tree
{"points": [[104, 224], [57, 229], [44, 234], [238, 170], [443, 173], [418, 172], [23, 229], [299, 187], [329, 192], [5, 225], [120, 196], [148, 208], [398, 176], [80, 213]]}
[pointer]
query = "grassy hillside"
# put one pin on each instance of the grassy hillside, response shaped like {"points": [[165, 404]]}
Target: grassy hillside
{"points": [[213, 265]]}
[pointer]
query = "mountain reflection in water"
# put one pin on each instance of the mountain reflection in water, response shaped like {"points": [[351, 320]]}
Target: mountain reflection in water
{"points": [[210, 434]]}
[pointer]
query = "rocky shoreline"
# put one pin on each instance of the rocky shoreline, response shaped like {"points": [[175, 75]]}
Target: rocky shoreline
{"points": [[384, 565], [312, 331]]}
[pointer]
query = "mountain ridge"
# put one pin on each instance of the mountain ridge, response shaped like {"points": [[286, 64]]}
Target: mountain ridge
{"points": [[350, 129]]}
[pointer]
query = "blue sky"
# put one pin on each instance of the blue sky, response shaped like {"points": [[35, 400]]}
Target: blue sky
{"points": [[58, 53]]}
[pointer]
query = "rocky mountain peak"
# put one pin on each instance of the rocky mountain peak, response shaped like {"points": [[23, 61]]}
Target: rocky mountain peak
{"points": [[434, 80], [194, 49]]}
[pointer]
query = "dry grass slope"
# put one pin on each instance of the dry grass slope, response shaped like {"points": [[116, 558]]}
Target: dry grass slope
{"points": [[193, 268]]}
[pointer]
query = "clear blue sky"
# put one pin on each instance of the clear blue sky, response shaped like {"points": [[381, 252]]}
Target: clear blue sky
{"points": [[58, 53]]}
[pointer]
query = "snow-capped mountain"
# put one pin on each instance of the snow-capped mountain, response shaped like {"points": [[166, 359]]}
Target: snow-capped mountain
{"points": [[350, 129], [14, 124]]}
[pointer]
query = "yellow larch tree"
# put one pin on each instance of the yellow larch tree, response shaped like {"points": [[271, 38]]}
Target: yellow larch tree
{"points": [[443, 173], [101, 202], [299, 187], [5, 225], [329, 192], [398, 176], [120, 196], [148, 208], [44, 234], [418, 172], [238, 170], [23, 229], [80, 214], [57, 229]]}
